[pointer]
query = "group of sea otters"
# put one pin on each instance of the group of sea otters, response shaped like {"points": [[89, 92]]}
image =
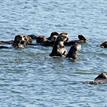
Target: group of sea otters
{"points": [[57, 41]]}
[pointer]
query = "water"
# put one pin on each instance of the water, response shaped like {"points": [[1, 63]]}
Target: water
{"points": [[30, 77]]}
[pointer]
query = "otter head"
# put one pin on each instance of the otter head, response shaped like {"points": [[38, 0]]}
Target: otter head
{"points": [[104, 45], [101, 76], [41, 39], [64, 36], [100, 79], [28, 39], [82, 39], [18, 38], [19, 41], [53, 36]]}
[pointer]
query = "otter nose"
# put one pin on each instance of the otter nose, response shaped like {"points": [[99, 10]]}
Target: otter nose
{"points": [[22, 42]]}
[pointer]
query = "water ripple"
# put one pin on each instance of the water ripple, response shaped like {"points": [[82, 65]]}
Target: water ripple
{"points": [[30, 77]]}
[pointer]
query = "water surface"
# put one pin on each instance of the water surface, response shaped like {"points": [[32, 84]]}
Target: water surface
{"points": [[30, 77]]}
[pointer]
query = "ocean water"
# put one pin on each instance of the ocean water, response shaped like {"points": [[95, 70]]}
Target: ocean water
{"points": [[30, 77]]}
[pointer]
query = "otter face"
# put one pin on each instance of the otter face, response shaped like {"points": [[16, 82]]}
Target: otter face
{"points": [[104, 45], [28, 39], [19, 41], [18, 38], [63, 36], [82, 39], [53, 36]]}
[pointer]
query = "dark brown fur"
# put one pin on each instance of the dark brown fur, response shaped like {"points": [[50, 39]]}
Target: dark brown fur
{"points": [[100, 79], [58, 48], [103, 45], [73, 52], [81, 40], [21, 41]]}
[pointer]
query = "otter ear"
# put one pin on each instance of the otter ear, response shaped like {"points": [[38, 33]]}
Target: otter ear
{"points": [[81, 37]]}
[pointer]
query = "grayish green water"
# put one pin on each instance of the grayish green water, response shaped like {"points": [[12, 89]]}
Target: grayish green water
{"points": [[30, 77]]}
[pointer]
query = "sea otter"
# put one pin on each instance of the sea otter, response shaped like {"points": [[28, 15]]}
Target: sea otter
{"points": [[53, 36], [100, 79], [103, 45], [21, 41], [59, 48], [73, 52], [81, 40]]}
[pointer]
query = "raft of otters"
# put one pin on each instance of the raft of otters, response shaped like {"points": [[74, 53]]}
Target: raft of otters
{"points": [[57, 41]]}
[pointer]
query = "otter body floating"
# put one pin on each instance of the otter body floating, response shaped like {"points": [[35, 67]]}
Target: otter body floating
{"points": [[100, 79], [73, 52], [58, 48]]}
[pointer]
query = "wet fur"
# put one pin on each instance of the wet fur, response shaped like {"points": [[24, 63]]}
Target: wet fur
{"points": [[103, 45], [100, 79], [73, 52]]}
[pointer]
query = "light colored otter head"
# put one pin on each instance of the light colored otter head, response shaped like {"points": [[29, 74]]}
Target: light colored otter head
{"points": [[28, 39], [19, 41], [104, 45], [63, 36]]}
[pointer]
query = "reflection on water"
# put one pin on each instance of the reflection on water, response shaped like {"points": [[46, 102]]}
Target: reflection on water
{"points": [[30, 77]]}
